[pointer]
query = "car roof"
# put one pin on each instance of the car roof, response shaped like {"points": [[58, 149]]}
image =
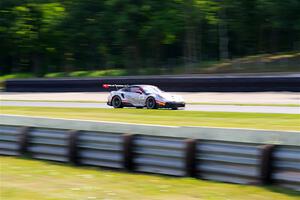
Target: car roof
{"points": [[129, 86], [141, 85]]}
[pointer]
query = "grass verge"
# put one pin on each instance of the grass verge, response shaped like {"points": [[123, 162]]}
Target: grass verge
{"points": [[277, 62], [167, 117], [30, 179]]}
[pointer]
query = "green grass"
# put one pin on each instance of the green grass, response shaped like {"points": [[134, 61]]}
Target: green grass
{"points": [[16, 75], [55, 75], [95, 73], [24, 179], [194, 103], [277, 62], [260, 63], [10, 76], [167, 117]]}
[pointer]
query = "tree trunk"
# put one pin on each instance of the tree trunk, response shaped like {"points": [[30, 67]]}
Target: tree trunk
{"points": [[190, 51], [132, 57], [36, 64], [223, 35], [274, 40], [69, 59], [190, 42]]}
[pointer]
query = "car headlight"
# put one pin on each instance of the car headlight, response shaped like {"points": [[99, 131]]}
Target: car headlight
{"points": [[180, 98]]}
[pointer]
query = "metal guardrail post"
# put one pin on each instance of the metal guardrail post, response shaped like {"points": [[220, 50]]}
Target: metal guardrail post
{"points": [[24, 140], [72, 147], [128, 152], [266, 163], [190, 157]]}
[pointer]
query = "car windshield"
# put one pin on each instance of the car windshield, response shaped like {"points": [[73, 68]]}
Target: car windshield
{"points": [[151, 89]]}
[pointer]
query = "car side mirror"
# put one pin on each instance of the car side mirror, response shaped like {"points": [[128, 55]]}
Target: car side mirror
{"points": [[139, 92]]}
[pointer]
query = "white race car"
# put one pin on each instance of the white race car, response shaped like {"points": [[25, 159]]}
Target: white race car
{"points": [[141, 96]]}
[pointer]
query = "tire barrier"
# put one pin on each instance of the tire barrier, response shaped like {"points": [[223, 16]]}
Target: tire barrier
{"points": [[159, 155], [225, 161], [217, 83], [286, 167], [48, 144], [100, 149], [11, 140], [229, 162]]}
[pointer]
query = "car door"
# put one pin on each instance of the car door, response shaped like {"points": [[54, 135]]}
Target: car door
{"points": [[135, 96]]}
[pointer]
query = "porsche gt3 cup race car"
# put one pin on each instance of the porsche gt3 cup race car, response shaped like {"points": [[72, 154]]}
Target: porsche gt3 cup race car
{"points": [[141, 96]]}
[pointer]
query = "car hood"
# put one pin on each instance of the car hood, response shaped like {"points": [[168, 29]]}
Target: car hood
{"points": [[171, 97]]}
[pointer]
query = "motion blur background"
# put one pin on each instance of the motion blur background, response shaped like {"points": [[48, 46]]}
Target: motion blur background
{"points": [[54, 38], [236, 63]]}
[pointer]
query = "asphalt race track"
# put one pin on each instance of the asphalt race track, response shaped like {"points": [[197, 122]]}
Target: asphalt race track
{"points": [[189, 107]]}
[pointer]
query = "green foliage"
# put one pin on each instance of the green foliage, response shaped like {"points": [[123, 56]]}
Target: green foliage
{"points": [[37, 35]]}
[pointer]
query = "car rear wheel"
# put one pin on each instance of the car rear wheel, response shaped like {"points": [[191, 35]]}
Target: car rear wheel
{"points": [[151, 103], [116, 102]]}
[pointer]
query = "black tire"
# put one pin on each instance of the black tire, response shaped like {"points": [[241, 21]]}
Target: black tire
{"points": [[151, 103], [174, 108], [116, 102]]}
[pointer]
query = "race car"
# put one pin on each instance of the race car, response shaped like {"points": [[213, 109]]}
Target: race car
{"points": [[141, 96]]}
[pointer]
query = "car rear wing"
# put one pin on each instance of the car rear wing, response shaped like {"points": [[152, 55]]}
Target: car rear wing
{"points": [[107, 86]]}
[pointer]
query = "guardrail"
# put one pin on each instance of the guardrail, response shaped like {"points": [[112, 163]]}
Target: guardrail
{"points": [[253, 157], [184, 83]]}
